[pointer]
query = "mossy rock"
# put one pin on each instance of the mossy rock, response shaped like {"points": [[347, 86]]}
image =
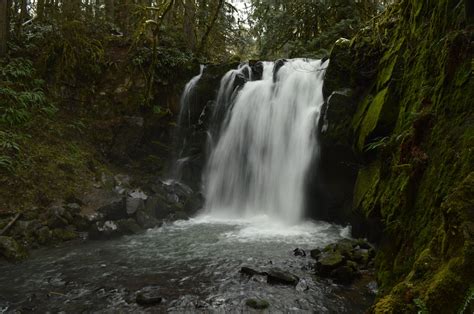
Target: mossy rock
{"points": [[258, 304], [64, 234], [340, 63], [12, 250], [366, 185]]}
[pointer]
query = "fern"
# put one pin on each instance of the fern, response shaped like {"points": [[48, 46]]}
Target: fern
{"points": [[467, 300], [379, 142], [422, 308]]}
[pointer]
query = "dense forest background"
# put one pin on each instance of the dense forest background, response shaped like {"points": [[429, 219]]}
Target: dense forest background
{"points": [[71, 70]]}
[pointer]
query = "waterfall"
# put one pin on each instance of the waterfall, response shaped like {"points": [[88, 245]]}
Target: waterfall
{"points": [[266, 142], [184, 122]]}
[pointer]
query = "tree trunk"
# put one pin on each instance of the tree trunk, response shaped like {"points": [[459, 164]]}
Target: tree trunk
{"points": [[40, 9], [110, 10], [209, 28], [188, 24], [3, 27]]}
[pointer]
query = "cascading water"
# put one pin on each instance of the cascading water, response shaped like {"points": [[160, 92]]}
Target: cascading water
{"points": [[266, 143], [184, 122]]}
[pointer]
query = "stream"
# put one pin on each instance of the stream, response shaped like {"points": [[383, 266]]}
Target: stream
{"points": [[195, 265]]}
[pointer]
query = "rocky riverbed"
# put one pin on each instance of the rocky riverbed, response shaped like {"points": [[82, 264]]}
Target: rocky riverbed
{"points": [[199, 265]]}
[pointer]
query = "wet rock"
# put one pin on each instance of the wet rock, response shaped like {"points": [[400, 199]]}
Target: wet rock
{"points": [[44, 235], [344, 260], [58, 217], [299, 252], [194, 203], [64, 234], [373, 287], [73, 207], [146, 221], [115, 209], [178, 215], [278, 64], [328, 262], [278, 276], [11, 249], [156, 206], [258, 304], [25, 229], [127, 226], [344, 274], [133, 204], [149, 296], [103, 230], [315, 253], [122, 180], [251, 272]]}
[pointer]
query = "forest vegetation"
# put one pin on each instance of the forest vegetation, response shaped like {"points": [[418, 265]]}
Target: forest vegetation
{"points": [[91, 88]]}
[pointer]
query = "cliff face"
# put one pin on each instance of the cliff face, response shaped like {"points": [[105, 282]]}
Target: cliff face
{"points": [[400, 94]]}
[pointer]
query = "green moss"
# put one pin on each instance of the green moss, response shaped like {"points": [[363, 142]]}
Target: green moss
{"points": [[371, 118], [366, 183], [64, 234], [421, 184]]}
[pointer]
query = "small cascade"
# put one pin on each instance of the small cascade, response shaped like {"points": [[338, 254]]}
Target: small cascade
{"points": [[265, 142], [184, 122], [229, 87]]}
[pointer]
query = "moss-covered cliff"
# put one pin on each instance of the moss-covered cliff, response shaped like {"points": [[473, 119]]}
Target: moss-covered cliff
{"points": [[410, 119]]}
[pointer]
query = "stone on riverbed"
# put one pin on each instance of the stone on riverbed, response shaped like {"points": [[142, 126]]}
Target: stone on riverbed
{"points": [[251, 272], [343, 261], [278, 276], [329, 261], [258, 304], [149, 296], [11, 249]]}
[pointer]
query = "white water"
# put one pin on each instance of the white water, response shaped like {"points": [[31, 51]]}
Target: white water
{"points": [[184, 121], [186, 98], [258, 165]]}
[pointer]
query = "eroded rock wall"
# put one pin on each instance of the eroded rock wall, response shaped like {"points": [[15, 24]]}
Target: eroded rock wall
{"points": [[407, 112]]}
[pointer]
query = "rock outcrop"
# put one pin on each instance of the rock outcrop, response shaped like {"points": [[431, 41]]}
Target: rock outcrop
{"points": [[405, 106]]}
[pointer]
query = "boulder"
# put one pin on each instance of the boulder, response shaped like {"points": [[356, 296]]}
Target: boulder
{"points": [[315, 253], [44, 235], [299, 252], [251, 272], [127, 227], [103, 230], [328, 262], [194, 203], [149, 296], [74, 208], [133, 204], [115, 209], [146, 221], [11, 249], [64, 234], [156, 206], [58, 217], [344, 274], [278, 276], [258, 304]]}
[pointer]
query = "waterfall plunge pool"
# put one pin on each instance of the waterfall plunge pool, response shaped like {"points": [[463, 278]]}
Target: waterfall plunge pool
{"points": [[194, 264]]}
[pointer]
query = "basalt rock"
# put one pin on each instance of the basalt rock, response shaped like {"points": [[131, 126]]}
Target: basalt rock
{"points": [[344, 260], [278, 276], [258, 304], [251, 272], [11, 250], [149, 296]]}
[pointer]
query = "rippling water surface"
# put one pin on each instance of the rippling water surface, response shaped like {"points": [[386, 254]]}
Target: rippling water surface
{"points": [[194, 263]]}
